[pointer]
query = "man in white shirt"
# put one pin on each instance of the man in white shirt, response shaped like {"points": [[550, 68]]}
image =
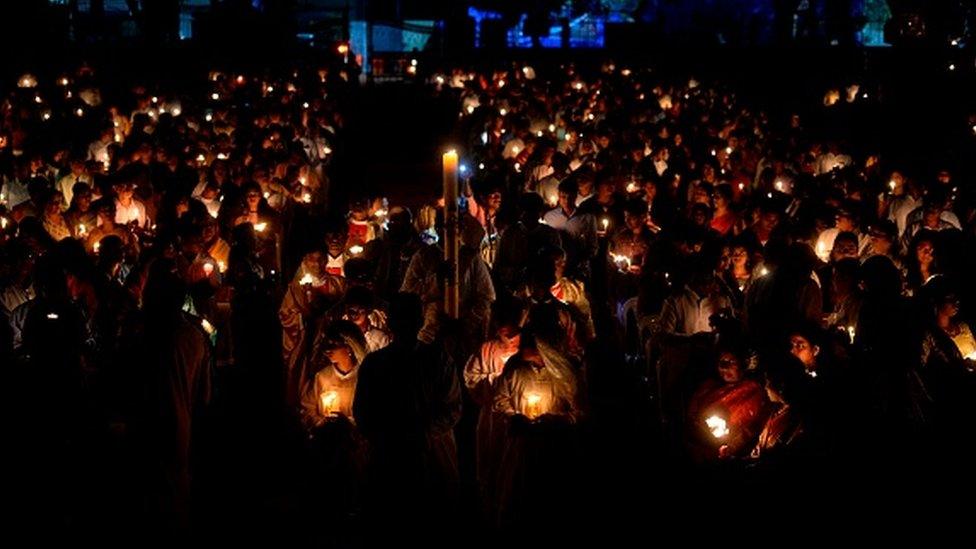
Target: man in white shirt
{"points": [[128, 209], [580, 228], [77, 175]]}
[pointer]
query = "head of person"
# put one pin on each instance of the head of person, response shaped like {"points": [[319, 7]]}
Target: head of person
{"points": [[405, 317], [722, 197], [252, 196], [947, 305], [846, 221], [883, 236], [845, 246], [343, 346], [729, 364], [635, 214], [568, 191], [804, 344], [81, 197]]}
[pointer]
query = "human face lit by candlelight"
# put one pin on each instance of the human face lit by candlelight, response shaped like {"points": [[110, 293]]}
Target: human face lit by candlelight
{"points": [[740, 257], [336, 243], [340, 356], [635, 222], [567, 201], [650, 190], [510, 338], [729, 368], [559, 266], [494, 201], [802, 349], [253, 199], [845, 223], [925, 253]]}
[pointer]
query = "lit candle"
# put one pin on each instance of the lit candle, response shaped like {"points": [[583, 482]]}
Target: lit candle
{"points": [[208, 327], [355, 249], [215, 96], [96, 246], [221, 266], [208, 117], [330, 402], [82, 230], [632, 187], [892, 185], [779, 186], [851, 333], [306, 280], [307, 198], [621, 261], [451, 241], [606, 223], [208, 268], [260, 227], [3, 222], [763, 271], [717, 426], [80, 111], [380, 213], [533, 405]]}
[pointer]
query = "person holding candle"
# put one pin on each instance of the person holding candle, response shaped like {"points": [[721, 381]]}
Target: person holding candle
{"points": [[335, 359], [539, 394], [783, 434], [740, 401], [481, 374], [128, 209], [79, 215], [54, 222]]}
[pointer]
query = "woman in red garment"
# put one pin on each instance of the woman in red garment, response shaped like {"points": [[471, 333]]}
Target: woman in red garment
{"points": [[728, 410]]}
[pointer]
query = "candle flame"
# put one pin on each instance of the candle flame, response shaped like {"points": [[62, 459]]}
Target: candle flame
{"points": [[207, 326], [260, 227], [52, 316], [306, 280], [330, 402], [717, 426], [355, 249], [221, 266]]}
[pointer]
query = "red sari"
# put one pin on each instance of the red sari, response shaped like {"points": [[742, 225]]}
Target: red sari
{"points": [[742, 405]]}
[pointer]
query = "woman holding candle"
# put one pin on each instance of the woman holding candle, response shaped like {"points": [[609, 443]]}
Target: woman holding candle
{"points": [[54, 222], [336, 355], [481, 375], [80, 216], [739, 401], [539, 392]]}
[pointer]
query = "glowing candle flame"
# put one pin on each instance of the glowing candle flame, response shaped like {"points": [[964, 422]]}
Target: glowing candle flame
{"points": [[260, 227], [605, 222], [215, 96], [207, 326], [52, 316], [892, 184], [621, 261], [221, 266], [307, 198], [632, 187], [96, 246], [306, 280], [208, 117], [717, 426], [355, 249], [851, 333], [208, 269], [330, 402], [533, 408], [82, 229]]}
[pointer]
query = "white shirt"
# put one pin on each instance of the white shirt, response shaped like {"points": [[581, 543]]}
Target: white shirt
{"points": [[136, 211], [686, 313]]}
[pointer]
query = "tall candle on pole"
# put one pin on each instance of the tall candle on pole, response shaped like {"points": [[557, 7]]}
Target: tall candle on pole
{"points": [[451, 234]]}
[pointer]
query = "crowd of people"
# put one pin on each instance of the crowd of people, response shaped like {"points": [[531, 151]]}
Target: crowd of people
{"points": [[783, 298]]}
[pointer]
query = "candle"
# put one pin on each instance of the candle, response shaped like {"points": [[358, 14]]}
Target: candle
{"points": [[851, 333], [240, 79], [208, 268], [3, 222], [208, 327], [622, 262], [355, 249], [221, 266], [260, 227], [96, 246], [266, 195], [632, 187], [763, 271], [330, 402], [80, 111], [533, 405], [215, 96], [451, 240], [306, 280], [779, 186], [82, 230], [717, 426], [606, 223], [201, 158], [155, 99], [307, 198], [892, 184], [208, 117], [380, 213]]}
